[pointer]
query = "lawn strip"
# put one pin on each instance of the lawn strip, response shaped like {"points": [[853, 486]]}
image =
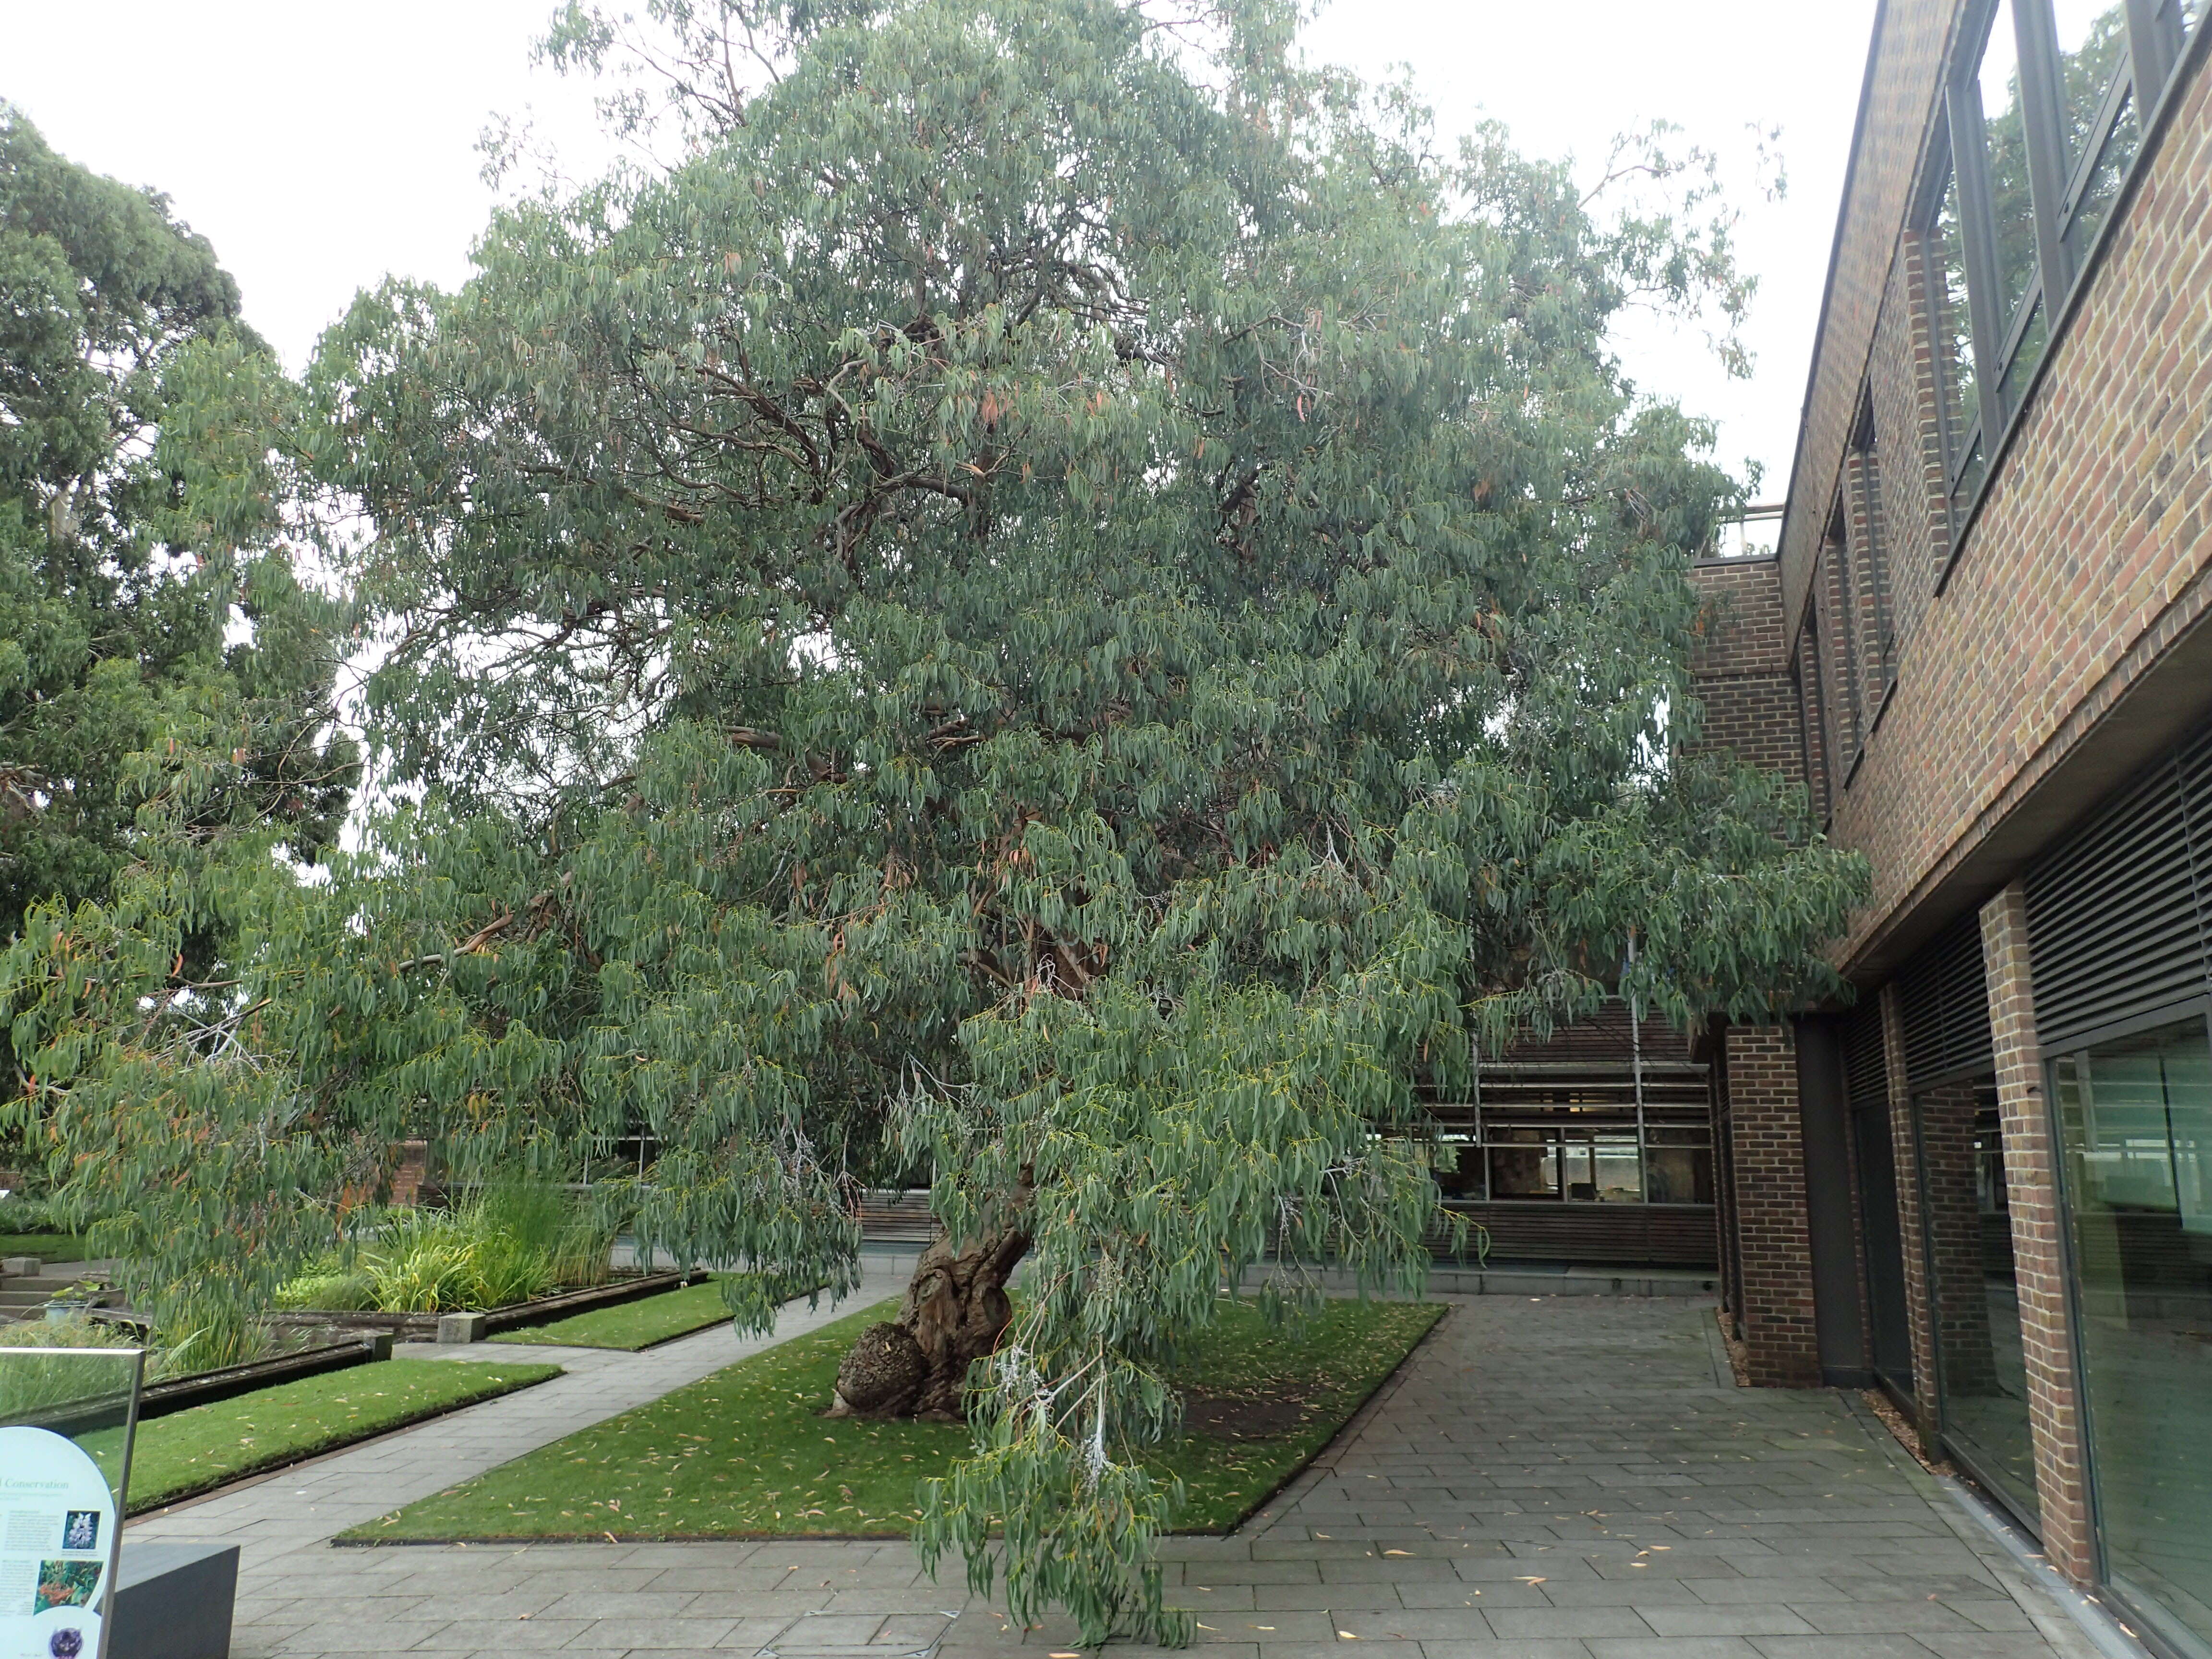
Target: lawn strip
{"points": [[47, 1247], [634, 1326], [745, 1453], [195, 1450]]}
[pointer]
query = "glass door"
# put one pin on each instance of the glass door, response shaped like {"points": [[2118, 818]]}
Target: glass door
{"points": [[2135, 1122]]}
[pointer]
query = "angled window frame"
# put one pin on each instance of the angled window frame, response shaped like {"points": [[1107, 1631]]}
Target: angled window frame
{"points": [[2163, 48]]}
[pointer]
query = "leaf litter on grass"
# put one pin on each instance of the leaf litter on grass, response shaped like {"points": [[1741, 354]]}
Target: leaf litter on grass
{"points": [[746, 1452]]}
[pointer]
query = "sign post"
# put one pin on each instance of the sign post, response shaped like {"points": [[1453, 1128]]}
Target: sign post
{"points": [[68, 1417]]}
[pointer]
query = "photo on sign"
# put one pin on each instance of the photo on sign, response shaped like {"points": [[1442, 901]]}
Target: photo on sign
{"points": [[81, 1530], [66, 1583]]}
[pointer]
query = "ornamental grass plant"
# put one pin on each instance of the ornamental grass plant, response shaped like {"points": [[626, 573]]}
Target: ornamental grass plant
{"points": [[511, 1243]]}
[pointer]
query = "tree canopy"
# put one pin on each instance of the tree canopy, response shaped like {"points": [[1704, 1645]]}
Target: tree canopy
{"points": [[136, 513], [1067, 603]]}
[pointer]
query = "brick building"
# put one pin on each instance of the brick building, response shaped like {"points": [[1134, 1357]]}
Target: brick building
{"points": [[1985, 1185]]}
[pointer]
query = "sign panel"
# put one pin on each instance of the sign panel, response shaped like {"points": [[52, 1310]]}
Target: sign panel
{"points": [[67, 1418]]}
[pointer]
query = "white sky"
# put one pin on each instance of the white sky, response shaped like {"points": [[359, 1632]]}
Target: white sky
{"points": [[320, 146]]}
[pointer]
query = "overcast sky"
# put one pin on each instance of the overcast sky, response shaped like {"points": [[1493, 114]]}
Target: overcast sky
{"points": [[320, 146]]}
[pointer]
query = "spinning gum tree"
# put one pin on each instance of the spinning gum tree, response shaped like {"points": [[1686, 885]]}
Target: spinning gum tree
{"points": [[1068, 603]]}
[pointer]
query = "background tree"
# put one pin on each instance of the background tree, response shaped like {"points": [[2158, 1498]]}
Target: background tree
{"points": [[138, 607], [166, 679], [1067, 602]]}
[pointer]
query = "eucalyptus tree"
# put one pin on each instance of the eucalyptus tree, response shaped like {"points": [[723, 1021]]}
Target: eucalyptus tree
{"points": [[144, 608], [165, 701], [1066, 602]]}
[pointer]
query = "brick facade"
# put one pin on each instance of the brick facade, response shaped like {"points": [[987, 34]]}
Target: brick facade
{"points": [[1958, 681], [1770, 1275], [2085, 563], [2039, 1251], [1742, 665]]}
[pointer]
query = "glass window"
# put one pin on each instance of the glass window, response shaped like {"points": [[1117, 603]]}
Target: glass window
{"points": [[2004, 129], [2092, 64], [1981, 1366], [2092, 53], [2135, 1123], [1461, 1174], [2102, 186], [1679, 1174], [1524, 1171], [1950, 326], [2027, 354]]}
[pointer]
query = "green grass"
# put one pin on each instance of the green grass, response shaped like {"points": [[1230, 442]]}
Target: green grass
{"points": [[191, 1451], [746, 1454], [47, 1247], [634, 1325]]}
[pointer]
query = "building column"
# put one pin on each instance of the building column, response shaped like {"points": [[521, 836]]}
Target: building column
{"points": [[2039, 1251], [1911, 1226], [1775, 1314]]}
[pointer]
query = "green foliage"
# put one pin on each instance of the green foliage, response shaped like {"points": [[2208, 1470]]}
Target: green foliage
{"points": [[1068, 602], [517, 1240], [18, 1214], [165, 726], [156, 651]]}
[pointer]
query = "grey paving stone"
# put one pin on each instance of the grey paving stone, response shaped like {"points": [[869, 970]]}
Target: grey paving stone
{"points": [[1541, 1482]]}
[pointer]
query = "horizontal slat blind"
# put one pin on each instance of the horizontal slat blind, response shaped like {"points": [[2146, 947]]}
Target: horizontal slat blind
{"points": [[2115, 913], [1866, 1066], [1943, 1004]]}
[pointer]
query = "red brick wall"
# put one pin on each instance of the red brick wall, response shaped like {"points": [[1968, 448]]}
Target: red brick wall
{"points": [[2091, 553], [2038, 1259], [1766, 1170], [1742, 665]]}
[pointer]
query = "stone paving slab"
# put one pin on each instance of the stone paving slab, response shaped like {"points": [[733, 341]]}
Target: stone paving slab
{"points": [[1563, 1479]]}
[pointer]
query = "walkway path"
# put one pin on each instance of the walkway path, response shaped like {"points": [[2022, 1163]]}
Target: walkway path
{"points": [[1564, 1479]]}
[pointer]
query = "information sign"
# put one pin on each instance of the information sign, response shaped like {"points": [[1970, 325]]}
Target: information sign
{"points": [[67, 1417]]}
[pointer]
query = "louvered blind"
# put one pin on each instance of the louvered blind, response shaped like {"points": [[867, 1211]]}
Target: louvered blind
{"points": [[1943, 1006], [2116, 913], [1866, 1067]]}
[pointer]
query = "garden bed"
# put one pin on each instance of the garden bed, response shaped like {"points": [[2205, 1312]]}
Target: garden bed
{"points": [[423, 1327], [198, 1449], [229, 1382], [643, 1322], [745, 1453]]}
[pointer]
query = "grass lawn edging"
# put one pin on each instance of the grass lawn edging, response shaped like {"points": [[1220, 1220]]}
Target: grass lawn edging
{"points": [[640, 1323], [191, 1453], [744, 1454]]}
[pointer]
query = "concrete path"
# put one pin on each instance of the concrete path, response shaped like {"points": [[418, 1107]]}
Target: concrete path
{"points": [[1570, 1478]]}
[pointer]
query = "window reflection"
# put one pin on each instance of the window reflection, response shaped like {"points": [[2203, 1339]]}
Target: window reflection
{"points": [[1981, 1365], [2102, 132], [1953, 332], [2005, 140], [2135, 1121], [2026, 355]]}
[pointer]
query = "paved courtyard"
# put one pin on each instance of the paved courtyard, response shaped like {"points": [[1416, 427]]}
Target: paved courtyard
{"points": [[1568, 1478]]}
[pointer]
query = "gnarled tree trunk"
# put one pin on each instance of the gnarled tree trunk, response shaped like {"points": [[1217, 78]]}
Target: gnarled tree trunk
{"points": [[955, 1308]]}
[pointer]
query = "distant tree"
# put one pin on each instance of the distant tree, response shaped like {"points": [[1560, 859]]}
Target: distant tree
{"points": [[1067, 602], [166, 677], [145, 610]]}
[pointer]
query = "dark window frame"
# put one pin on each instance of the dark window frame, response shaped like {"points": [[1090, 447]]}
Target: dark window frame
{"points": [[2160, 52], [2199, 1008]]}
